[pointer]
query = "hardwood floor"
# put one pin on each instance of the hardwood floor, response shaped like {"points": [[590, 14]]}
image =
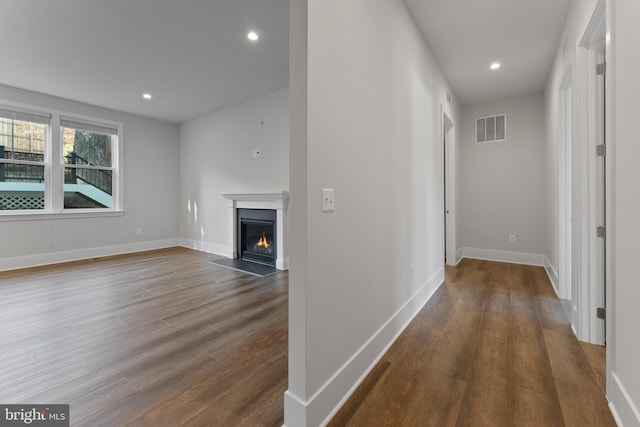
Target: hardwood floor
{"points": [[491, 348], [167, 338], [152, 339]]}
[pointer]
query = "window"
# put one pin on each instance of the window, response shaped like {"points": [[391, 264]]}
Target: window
{"points": [[489, 129], [23, 141], [88, 164], [57, 163]]}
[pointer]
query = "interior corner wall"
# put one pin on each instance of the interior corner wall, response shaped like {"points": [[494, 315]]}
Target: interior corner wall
{"points": [[150, 171], [216, 156], [372, 94], [502, 183]]}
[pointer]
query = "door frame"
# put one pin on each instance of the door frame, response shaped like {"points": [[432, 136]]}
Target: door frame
{"points": [[565, 193], [449, 188], [592, 264]]}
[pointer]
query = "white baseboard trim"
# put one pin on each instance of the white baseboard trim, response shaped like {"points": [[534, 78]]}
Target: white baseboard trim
{"points": [[504, 256], [82, 254], [453, 261], [459, 255], [622, 407], [210, 248], [325, 403], [553, 275], [282, 264]]}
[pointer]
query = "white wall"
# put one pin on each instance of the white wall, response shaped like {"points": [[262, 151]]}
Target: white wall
{"points": [[365, 112], [624, 354], [623, 153], [216, 157], [566, 65], [502, 183], [572, 64], [150, 196]]}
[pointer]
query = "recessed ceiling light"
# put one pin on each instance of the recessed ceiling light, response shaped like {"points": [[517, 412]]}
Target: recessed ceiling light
{"points": [[252, 36], [495, 66], [146, 95]]}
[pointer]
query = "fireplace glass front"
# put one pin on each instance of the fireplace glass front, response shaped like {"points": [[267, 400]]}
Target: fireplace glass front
{"points": [[257, 235]]}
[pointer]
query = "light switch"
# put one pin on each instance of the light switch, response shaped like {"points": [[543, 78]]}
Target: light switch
{"points": [[328, 203], [256, 153]]}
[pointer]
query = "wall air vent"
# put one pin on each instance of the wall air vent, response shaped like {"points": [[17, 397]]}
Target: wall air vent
{"points": [[490, 129]]}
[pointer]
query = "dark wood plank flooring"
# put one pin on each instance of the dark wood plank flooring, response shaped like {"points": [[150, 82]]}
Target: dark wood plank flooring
{"points": [[152, 339], [491, 348], [166, 338]]}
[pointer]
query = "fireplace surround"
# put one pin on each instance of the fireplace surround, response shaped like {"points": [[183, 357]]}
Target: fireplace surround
{"points": [[277, 202]]}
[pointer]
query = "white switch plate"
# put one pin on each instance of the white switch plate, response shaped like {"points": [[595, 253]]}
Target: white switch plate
{"points": [[512, 238], [328, 202], [256, 153]]}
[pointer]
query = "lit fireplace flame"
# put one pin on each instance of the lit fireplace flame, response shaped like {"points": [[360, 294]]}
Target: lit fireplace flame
{"points": [[262, 242]]}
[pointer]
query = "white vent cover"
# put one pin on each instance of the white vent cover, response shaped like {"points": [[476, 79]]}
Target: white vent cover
{"points": [[489, 129]]}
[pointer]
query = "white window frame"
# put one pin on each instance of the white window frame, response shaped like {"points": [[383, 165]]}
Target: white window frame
{"points": [[32, 116], [54, 167]]}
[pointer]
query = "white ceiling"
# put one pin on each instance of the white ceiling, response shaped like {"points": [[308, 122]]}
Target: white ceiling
{"points": [[194, 56], [466, 36]]}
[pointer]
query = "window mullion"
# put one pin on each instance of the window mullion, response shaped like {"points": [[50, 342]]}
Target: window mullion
{"points": [[56, 170]]}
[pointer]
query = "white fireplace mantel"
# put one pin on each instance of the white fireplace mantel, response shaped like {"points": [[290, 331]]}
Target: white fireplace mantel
{"points": [[278, 201]]}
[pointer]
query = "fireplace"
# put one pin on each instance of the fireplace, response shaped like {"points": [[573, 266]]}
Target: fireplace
{"points": [[277, 203], [257, 235]]}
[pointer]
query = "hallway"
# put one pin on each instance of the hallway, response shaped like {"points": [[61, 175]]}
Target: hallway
{"points": [[491, 348]]}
